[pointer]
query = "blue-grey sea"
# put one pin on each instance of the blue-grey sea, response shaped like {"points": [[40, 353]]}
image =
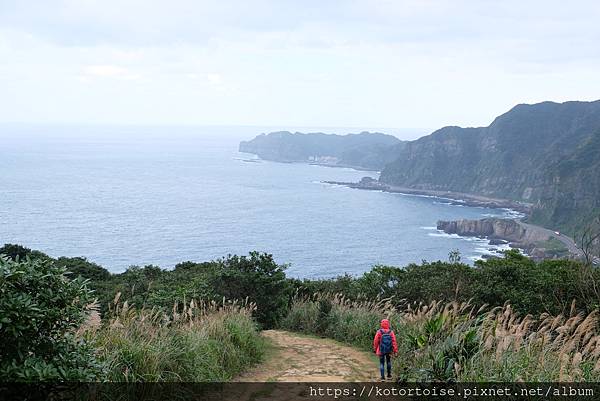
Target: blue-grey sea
{"points": [[124, 196]]}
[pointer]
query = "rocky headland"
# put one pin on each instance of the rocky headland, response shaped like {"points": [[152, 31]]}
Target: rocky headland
{"points": [[537, 242]]}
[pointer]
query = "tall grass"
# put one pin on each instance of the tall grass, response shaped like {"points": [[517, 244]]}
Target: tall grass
{"points": [[195, 342], [458, 342], [334, 316]]}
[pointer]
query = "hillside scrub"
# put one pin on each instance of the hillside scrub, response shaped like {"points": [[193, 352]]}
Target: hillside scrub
{"points": [[255, 277], [458, 342], [40, 311], [530, 287], [195, 342], [152, 333], [52, 330]]}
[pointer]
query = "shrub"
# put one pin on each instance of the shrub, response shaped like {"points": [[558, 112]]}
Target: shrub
{"points": [[257, 278], [40, 309], [15, 251], [80, 266]]}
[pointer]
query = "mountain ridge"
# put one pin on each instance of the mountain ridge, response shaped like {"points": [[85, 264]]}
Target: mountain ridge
{"points": [[546, 153], [518, 156]]}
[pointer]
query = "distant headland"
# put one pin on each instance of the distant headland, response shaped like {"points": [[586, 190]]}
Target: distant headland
{"points": [[540, 159]]}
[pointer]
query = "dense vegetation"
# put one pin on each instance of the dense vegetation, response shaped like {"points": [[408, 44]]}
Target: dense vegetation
{"points": [[532, 287], [364, 150], [53, 330], [459, 342], [40, 310], [194, 342], [200, 321]]}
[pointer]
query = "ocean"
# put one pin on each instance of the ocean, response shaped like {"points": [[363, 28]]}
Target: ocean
{"points": [[124, 196]]}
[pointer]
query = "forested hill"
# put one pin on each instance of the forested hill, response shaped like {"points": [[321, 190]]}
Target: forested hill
{"points": [[546, 153], [364, 150]]}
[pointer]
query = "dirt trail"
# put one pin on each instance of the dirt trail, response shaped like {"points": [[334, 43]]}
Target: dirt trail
{"points": [[299, 358]]}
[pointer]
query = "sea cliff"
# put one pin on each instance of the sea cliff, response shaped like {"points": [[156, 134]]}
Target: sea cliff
{"points": [[538, 242]]}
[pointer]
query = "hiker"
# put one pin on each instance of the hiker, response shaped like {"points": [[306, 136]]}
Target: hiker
{"points": [[384, 344]]}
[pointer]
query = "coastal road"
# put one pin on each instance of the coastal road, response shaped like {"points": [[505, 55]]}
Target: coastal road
{"points": [[544, 232]]}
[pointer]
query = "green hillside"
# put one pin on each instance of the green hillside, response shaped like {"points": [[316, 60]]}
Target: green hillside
{"points": [[545, 153], [364, 150]]}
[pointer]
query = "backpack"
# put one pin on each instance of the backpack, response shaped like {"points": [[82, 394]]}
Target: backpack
{"points": [[385, 344]]}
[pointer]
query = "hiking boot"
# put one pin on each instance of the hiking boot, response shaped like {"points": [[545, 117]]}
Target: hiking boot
{"points": [[382, 378]]}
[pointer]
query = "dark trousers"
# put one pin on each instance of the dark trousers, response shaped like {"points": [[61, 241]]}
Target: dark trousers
{"points": [[382, 360]]}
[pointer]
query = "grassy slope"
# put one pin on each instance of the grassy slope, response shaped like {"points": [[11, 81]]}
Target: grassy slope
{"points": [[455, 342]]}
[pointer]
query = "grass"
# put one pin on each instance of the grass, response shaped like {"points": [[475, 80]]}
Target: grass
{"points": [[195, 342], [553, 246], [457, 342]]}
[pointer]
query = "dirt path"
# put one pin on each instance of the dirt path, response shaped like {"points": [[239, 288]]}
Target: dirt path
{"points": [[299, 358]]}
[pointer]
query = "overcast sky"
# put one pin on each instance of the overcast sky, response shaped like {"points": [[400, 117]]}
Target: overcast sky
{"points": [[293, 63]]}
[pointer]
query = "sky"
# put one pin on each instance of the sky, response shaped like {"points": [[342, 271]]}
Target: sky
{"points": [[360, 63]]}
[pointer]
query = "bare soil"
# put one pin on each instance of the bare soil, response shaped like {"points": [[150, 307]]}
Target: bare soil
{"points": [[299, 358]]}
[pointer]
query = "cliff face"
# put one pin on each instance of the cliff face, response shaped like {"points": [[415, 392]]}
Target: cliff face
{"points": [[364, 150], [536, 241], [505, 229], [547, 154]]}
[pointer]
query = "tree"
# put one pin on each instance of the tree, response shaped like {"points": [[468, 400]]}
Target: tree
{"points": [[259, 279], [589, 241], [589, 244]]}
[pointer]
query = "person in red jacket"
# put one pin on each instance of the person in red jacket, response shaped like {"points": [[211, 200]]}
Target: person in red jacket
{"points": [[384, 344]]}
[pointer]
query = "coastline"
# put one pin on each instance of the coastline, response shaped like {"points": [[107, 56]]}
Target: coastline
{"points": [[257, 158], [533, 241], [457, 198]]}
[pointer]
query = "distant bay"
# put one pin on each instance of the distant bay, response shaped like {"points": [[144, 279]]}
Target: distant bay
{"points": [[124, 196]]}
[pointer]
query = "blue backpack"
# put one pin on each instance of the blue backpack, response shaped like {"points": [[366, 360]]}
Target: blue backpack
{"points": [[385, 344]]}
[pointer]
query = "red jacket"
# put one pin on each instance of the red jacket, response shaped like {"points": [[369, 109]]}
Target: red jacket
{"points": [[385, 326]]}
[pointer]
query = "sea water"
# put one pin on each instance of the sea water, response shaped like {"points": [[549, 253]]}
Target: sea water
{"points": [[124, 196]]}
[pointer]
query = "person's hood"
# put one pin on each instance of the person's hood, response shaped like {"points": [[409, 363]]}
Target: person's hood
{"points": [[385, 324]]}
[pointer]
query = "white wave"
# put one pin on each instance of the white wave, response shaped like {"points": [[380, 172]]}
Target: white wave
{"points": [[445, 235]]}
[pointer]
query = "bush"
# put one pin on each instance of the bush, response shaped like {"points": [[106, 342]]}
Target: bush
{"points": [[256, 278], [79, 266], [40, 310], [19, 252]]}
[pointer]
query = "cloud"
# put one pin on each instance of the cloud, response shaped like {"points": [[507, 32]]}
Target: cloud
{"points": [[109, 71], [312, 62]]}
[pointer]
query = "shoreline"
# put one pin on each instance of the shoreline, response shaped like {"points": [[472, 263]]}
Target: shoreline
{"points": [[257, 158], [456, 198], [536, 235], [522, 210]]}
